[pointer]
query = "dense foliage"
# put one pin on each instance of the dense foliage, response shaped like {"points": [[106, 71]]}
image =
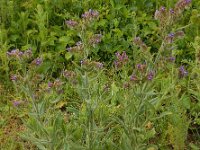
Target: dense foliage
{"points": [[107, 74]]}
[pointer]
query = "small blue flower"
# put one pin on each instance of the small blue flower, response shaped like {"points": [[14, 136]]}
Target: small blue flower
{"points": [[172, 59], [133, 77], [16, 103], [150, 75], [171, 11], [182, 72], [162, 8], [171, 35], [13, 77], [38, 61]]}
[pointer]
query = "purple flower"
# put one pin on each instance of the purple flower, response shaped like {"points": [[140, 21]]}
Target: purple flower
{"points": [[96, 39], [71, 23], [117, 54], [13, 77], [141, 67], [171, 35], [99, 65], [133, 77], [171, 11], [90, 14], [20, 54], [93, 13], [181, 4], [50, 84], [162, 9], [150, 75], [117, 64], [69, 49], [79, 43], [16, 103], [15, 53], [124, 57], [28, 53], [69, 74], [172, 59], [187, 1], [37, 61], [182, 72], [77, 48]]}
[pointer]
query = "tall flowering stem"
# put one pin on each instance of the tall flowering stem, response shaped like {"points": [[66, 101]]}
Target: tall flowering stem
{"points": [[121, 60]]}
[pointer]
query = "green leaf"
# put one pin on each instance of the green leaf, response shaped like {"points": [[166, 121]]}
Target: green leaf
{"points": [[115, 89], [68, 56], [150, 134], [186, 102], [163, 115], [45, 66], [194, 147], [66, 40]]}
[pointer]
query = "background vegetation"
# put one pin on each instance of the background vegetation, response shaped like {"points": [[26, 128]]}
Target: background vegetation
{"points": [[107, 74]]}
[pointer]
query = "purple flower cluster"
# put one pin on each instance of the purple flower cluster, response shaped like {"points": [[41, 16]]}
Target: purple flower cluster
{"points": [[182, 4], [87, 16], [37, 61], [133, 77], [50, 84], [163, 15], [16, 53], [13, 77], [171, 11], [122, 59], [77, 48], [71, 23], [160, 14], [150, 75], [141, 67], [69, 74], [16, 103], [91, 14], [142, 73], [172, 36], [171, 59], [98, 65], [93, 64], [162, 9], [95, 39], [182, 72], [56, 85]]}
